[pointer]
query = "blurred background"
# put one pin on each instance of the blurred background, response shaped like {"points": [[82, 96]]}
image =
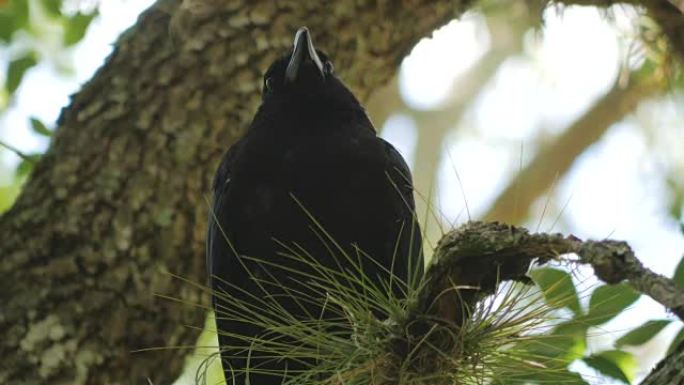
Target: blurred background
{"points": [[567, 120]]}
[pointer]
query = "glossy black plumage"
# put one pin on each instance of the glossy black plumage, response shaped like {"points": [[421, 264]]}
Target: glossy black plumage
{"points": [[310, 140]]}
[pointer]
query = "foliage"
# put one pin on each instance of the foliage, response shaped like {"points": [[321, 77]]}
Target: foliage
{"points": [[558, 289], [510, 338], [351, 345], [28, 31], [643, 333], [567, 341], [617, 364]]}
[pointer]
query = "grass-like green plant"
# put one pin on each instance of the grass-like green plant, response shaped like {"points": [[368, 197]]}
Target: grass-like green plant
{"points": [[371, 332], [352, 345]]}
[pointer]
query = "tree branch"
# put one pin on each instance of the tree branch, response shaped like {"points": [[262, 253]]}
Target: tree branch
{"points": [[555, 159], [671, 21], [477, 256], [614, 262]]}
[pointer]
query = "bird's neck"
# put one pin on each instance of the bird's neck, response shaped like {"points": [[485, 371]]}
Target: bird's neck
{"points": [[311, 120]]}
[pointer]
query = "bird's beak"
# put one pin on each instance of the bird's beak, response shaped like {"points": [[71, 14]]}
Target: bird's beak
{"points": [[303, 50]]}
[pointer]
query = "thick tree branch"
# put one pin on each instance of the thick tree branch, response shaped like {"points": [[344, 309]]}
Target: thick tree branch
{"points": [[671, 20], [470, 261], [475, 257]]}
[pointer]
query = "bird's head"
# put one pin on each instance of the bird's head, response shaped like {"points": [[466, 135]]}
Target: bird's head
{"points": [[306, 75]]}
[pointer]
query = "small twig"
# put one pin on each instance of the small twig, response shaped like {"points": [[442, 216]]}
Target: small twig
{"points": [[15, 150], [614, 261]]}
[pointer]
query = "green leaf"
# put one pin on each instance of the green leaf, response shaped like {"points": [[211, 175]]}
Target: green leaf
{"points": [[40, 128], [546, 377], [14, 15], [614, 363], [564, 377], [26, 165], [76, 27], [558, 289], [607, 301], [575, 332], [8, 194], [7, 26], [52, 7], [564, 344], [643, 333], [679, 338], [678, 277], [16, 70], [20, 10]]}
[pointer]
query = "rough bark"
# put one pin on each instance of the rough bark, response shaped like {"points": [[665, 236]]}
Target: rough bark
{"points": [[119, 197], [668, 371], [671, 21]]}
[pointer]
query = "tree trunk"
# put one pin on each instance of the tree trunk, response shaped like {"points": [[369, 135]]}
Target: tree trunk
{"points": [[119, 198]]}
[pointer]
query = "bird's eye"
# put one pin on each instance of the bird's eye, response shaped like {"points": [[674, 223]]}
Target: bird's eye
{"points": [[268, 84], [328, 68]]}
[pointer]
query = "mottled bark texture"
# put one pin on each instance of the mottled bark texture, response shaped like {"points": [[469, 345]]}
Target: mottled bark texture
{"points": [[478, 255], [119, 197]]}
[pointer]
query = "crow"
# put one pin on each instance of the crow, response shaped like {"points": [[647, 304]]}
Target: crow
{"points": [[309, 168]]}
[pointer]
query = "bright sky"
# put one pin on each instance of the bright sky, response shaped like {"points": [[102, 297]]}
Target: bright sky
{"points": [[616, 188]]}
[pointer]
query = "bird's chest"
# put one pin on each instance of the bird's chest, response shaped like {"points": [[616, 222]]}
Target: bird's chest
{"points": [[327, 176]]}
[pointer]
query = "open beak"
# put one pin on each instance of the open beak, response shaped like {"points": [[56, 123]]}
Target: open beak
{"points": [[303, 50]]}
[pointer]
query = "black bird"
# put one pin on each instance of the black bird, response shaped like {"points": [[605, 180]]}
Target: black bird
{"points": [[310, 148]]}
